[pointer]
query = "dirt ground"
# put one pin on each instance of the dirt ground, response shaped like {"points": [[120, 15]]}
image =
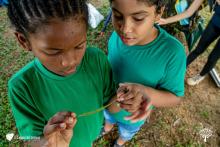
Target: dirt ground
{"points": [[182, 125]]}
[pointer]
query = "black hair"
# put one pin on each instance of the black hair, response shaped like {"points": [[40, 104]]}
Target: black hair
{"points": [[27, 15], [158, 3]]}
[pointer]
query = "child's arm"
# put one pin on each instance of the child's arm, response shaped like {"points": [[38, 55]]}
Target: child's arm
{"points": [[186, 14], [58, 131], [158, 98]]}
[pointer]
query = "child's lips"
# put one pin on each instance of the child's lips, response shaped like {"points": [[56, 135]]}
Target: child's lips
{"points": [[126, 39], [69, 71]]}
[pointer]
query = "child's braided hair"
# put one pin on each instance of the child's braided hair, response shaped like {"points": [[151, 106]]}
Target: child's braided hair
{"points": [[27, 16], [158, 3]]}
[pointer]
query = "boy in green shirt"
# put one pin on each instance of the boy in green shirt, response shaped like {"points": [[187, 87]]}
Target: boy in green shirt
{"points": [[148, 63]]}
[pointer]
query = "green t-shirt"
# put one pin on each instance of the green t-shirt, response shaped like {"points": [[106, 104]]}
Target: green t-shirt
{"points": [[36, 94], [160, 64]]}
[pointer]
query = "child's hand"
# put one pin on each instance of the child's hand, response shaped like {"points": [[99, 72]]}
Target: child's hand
{"points": [[143, 113], [130, 96], [59, 129], [133, 99]]}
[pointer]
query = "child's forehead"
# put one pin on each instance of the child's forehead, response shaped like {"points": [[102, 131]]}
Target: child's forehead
{"points": [[60, 34], [132, 2], [132, 6], [57, 25]]}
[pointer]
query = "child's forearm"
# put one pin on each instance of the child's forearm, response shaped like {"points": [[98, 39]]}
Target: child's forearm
{"points": [[160, 98]]}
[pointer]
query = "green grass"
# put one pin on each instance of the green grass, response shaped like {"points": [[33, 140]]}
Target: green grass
{"points": [[204, 114], [11, 59]]}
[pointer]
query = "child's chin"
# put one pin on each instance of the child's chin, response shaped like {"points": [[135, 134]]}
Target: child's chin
{"points": [[130, 43], [69, 73]]}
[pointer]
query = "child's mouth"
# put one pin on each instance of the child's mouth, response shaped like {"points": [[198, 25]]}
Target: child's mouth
{"points": [[126, 39], [70, 71]]}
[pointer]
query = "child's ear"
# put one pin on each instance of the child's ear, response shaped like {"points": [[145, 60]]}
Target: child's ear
{"points": [[160, 14], [23, 41]]}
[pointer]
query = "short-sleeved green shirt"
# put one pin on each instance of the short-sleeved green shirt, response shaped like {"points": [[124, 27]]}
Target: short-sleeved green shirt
{"points": [[161, 64], [36, 94]]}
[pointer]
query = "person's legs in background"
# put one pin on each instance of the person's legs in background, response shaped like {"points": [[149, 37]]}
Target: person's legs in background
{"points": [[210, 34], [212, 59]]}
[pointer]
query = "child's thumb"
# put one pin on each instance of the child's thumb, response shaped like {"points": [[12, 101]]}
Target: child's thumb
{"points": [[123, 84]]}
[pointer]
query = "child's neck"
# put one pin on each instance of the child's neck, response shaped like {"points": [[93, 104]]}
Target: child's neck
{"points": [[152, 36]]}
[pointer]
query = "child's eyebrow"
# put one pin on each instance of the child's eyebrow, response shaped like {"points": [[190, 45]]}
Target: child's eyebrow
{"points": [[81, 42], [135, 13], [51, 48], [140, 12]]}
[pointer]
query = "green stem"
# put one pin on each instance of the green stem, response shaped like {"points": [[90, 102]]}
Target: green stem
{"points": [[95, 111]]}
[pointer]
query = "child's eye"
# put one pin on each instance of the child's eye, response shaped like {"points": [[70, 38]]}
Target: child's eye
{"points": [[118, 17], [138, 19], [53, 53]]}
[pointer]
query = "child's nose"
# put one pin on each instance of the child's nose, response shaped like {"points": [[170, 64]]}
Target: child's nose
{"points": [[68, 60], [126, 27]]}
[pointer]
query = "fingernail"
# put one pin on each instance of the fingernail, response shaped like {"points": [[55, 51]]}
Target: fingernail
{"points": [[120, 99], [126, 118], [117, 104], [70, 120], [73, 115], [133, 121], [62, 125]]}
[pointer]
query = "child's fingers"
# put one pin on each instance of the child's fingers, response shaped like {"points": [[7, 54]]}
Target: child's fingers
{"points": [[128, 108], [59, 117], [120, 93], [122, 90], [59, 122], [70, 122], [149, 107], [128, 102], [49, 129], [132, 116], [142, 116], [123, 84], [133, 104], [145, 112], [137, 100], [126, 96]]}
